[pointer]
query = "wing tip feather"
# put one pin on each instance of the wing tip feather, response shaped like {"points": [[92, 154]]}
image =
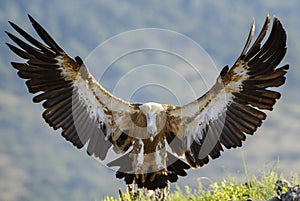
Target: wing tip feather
{"points": [[31, 19]]}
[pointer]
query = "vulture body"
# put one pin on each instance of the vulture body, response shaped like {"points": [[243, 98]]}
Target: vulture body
{"points": [[89, 115]]}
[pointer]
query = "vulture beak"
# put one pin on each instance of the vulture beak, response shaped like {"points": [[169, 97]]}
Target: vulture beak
{"points": [[151, 126]]}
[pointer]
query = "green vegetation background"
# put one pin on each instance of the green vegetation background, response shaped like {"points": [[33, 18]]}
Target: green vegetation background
{"points": [[36, 162], [268, 185]]}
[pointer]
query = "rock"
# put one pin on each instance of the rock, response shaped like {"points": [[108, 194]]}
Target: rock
{"points": [[293, 194], [275, 199]]}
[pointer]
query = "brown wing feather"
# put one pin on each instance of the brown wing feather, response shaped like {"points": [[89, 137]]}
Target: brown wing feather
{"points": [[72, 98], [232, 107]]}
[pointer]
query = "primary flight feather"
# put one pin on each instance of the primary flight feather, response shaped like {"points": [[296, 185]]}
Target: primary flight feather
{"points": [[89, 115]]}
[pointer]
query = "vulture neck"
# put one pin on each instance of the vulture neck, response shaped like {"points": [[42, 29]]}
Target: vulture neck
{"points": [[151, 110]]}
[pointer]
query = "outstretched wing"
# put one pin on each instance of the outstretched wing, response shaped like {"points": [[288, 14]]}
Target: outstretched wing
{"points": [[233, 106], [73, 99]]}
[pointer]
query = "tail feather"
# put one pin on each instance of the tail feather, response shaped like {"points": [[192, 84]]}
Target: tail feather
{"points": [[151, 180]]}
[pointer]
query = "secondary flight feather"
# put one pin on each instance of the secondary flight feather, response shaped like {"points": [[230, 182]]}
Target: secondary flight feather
{"points": [[87, 114]]}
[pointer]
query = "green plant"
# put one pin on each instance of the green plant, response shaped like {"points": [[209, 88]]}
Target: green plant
{"points": [[261, 187]]}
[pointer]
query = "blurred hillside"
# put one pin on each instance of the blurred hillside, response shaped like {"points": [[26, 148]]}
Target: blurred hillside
{"points": [[36, 162]]}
